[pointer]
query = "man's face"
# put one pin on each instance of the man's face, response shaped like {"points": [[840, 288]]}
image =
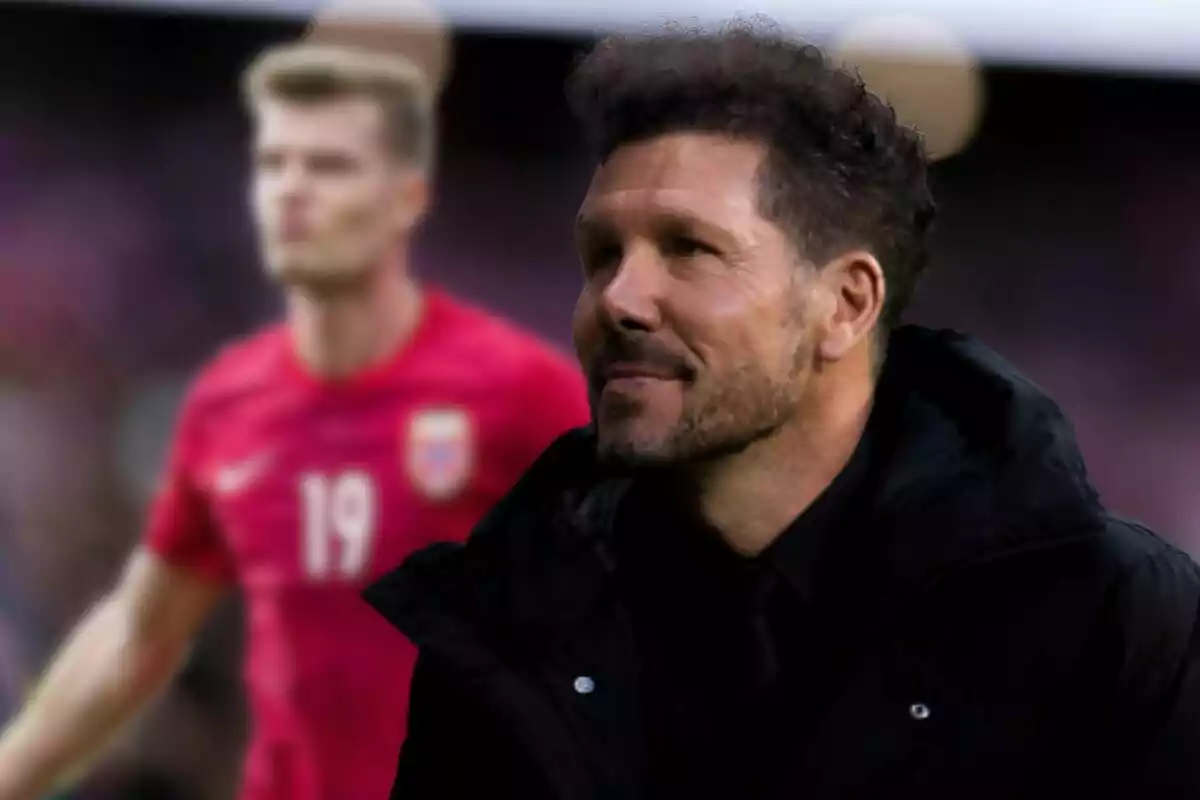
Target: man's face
{"points": [[691, 324], [330, 201]]}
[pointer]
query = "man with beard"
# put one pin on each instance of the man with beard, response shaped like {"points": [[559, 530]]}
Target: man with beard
{"points": [[801, 551]]}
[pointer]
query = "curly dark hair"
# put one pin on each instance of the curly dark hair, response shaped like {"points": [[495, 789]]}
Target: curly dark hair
{"points": [[841, 171]]}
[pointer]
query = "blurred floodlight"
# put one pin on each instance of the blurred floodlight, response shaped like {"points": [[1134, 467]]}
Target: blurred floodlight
{"points": [[409, 28], [926, 73], [1122, 34]]}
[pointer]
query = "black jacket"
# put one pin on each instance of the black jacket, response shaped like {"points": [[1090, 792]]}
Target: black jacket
{"points": [[1016, 639]]}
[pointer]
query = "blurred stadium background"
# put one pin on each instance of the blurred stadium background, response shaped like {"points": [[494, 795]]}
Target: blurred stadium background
{"points": [[1068, 242]]}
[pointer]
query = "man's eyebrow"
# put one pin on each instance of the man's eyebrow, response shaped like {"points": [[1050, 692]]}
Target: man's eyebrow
{"points": [[588, 226]]}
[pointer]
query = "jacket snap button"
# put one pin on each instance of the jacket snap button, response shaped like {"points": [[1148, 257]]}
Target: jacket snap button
{"points": [[919, 711], [584, 685]]}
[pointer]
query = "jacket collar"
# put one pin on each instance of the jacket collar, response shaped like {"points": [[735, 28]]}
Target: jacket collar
{"points": [[982, 465], [539, 558]]}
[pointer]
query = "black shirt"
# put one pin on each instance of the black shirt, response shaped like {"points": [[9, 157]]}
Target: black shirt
{"points": [[737, 653]]}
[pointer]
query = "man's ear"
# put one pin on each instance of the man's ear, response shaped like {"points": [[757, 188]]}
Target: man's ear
{"points": [[854, 287], [412, 197]]}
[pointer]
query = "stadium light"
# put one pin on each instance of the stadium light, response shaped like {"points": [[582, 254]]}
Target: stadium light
{"points": [[1115, 34]]}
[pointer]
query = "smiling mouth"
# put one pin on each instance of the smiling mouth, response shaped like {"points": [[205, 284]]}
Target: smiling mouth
{"points": [[631, 377], [632, 371]]}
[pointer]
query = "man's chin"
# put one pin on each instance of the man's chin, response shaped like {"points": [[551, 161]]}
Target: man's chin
{"points": [[626, 447], [314, 277], [625, 450]]}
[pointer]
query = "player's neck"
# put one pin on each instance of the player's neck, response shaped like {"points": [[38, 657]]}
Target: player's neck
{"points": [[343, 333]]}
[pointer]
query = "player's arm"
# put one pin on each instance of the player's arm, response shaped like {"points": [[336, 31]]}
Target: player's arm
{"points": [[118, 658]]}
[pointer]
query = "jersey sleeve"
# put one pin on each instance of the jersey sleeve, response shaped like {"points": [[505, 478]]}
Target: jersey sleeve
{"points": [[552, 399], [181, 529]]}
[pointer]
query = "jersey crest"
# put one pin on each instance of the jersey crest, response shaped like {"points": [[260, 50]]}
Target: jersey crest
{"points": [[439, 452]]}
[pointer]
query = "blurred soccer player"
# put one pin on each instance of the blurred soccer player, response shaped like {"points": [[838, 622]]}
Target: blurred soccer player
{"points": [[314, 456]]}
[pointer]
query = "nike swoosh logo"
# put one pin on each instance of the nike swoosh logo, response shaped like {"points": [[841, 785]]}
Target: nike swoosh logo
{"points": [[235, 478]]}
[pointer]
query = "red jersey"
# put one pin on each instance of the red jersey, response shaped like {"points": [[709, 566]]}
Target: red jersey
{"points": [[304, 491]]}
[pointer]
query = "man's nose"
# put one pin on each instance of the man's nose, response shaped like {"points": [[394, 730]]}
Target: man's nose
{"points": [[292, 179], [633, 297]]}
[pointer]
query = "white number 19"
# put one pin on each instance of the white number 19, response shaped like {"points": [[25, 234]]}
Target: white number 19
{"points": [[339, 509]]}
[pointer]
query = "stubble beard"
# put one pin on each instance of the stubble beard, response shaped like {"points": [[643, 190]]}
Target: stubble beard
{"points": [[723, 419]]}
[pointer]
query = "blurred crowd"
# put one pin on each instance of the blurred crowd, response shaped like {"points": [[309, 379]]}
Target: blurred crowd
{"points": [[1067, 242]]}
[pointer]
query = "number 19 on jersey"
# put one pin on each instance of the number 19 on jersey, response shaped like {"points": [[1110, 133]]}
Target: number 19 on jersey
{"points": [[339, 520]]}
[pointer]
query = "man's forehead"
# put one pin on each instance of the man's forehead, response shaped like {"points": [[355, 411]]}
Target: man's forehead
{"points": [[683, 175], [339, 112], [638, 206], [346, 125]]}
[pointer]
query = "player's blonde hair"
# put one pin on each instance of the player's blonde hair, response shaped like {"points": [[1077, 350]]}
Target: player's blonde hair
{"points": [[314, 72]]}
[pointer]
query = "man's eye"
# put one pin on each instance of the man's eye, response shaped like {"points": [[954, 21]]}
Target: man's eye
{"points": [[268, 162], [333, 163], [601, 257], [687, 247]]}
